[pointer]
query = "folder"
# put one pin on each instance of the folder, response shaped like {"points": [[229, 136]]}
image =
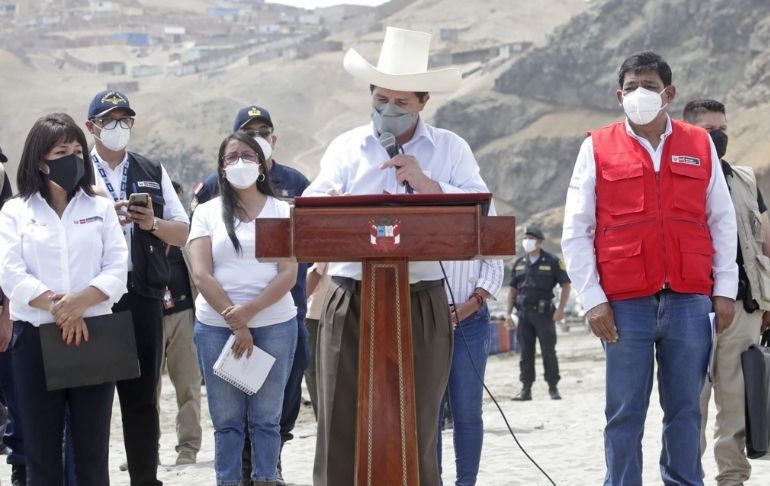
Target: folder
{"points": [[108, 356]]}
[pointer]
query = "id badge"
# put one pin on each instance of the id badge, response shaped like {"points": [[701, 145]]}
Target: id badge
{"points": [[168, 299]]}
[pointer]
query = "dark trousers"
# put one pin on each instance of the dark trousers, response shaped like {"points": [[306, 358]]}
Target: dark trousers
{"points": [[138, 397], [42, 418], [310, 371], [534, 325], [337, 362], [13, 437]]}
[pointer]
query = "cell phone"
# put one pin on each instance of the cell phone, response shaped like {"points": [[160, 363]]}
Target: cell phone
{"points": [[138, 199]]}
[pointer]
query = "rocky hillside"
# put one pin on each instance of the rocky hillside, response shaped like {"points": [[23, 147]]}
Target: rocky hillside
{"points": [[527, 129]]}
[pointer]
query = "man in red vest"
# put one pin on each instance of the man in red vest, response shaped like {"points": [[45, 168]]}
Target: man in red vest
{"points": [[649, 242]]}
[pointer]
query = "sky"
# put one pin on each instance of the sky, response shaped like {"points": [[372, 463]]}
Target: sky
{"points": [[326, 3]]}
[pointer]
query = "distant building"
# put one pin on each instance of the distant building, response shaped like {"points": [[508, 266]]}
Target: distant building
{"points": [[174, 34], [111, 67], [145, 70], [132, 38], [224, 13]]}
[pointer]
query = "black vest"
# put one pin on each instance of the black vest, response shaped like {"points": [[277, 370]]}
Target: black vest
{"points": [[150, 274]]}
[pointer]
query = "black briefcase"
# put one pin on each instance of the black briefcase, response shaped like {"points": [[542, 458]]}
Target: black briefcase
{"points": [[756, 374], [108, 356]]}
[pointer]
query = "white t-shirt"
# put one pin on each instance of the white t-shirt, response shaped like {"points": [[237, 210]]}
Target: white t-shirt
{"points": [[241, 276]]}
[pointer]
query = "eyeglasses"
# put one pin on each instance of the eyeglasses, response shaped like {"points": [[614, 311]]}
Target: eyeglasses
{"points": [[262, 132], [111, 123], [234, 157]]}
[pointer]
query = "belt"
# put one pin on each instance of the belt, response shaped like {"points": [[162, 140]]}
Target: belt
{"points": [[353, 285]]}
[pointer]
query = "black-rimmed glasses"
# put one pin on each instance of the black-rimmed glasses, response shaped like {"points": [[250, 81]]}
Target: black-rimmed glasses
{"points": [[111, 123], [263, 132]]}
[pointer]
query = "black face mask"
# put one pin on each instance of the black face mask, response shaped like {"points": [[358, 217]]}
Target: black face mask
{"points": [[66, 171], [719, 138]]}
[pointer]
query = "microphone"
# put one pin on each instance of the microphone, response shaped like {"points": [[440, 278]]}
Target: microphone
{"points": [[388, 142]]}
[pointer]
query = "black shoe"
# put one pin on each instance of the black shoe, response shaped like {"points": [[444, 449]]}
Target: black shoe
{"points": [[18, 475], [524, 395], [554, 392]]}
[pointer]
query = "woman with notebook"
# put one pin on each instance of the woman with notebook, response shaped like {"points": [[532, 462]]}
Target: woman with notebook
{"points": [[248, 300], [62, 259]]}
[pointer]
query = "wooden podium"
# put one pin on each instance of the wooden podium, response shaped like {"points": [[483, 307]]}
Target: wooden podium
{"points": [[385, 232]]}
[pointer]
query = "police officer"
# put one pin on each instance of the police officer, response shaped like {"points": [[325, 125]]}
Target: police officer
{"points": [[287, 183], [534, 277]]}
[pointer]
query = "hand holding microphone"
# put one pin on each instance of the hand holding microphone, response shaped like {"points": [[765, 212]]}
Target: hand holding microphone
{"points": [[388, 142]]}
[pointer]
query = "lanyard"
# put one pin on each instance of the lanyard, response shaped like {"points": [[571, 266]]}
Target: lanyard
{"points": [[107, 182]]}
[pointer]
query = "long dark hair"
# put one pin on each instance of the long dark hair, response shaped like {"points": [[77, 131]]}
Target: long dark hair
{"points": [[46, 133], [230, 203]]}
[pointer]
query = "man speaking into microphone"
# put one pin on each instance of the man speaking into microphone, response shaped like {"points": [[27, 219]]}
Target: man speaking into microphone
{"points": [[366, 160]]}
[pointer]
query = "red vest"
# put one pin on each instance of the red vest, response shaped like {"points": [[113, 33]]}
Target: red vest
{"points": [[651, 228]]}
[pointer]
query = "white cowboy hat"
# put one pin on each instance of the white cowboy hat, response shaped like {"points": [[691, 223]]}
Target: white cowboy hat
{"points": [[403, 64]]}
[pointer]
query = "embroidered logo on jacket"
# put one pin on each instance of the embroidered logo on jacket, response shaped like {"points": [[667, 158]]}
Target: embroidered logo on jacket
{"points": [[685, 159], [150, 184]]}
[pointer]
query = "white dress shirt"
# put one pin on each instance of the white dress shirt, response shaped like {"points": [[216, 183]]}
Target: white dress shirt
{"points": [[351, 165], [172, 208], [40, 252], [465, 276], [580, 223]]}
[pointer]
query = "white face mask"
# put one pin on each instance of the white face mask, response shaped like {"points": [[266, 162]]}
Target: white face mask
{"points": [[115, 139], [267, 149], [529, 245], [642, 105], [242, 175]]}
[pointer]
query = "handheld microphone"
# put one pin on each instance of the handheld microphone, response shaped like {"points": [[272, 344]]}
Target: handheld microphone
{"points": [[388, 142]]}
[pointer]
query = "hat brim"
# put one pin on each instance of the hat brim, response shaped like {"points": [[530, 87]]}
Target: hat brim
{"points": [[129, 110], [440, 80], [260, 118]]}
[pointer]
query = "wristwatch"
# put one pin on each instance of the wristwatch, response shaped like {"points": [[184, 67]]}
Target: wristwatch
{"points": [[155, 224]]}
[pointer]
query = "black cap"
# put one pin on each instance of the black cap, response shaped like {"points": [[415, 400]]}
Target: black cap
{"points": [[249, 113], [106, 101], [3, 158], [534, 231]]}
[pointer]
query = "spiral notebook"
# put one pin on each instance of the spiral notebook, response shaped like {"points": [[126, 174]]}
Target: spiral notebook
{"points": [[247, 373]]}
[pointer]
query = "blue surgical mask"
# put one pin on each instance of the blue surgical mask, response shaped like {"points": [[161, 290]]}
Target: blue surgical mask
{"points": [[389, 118]]}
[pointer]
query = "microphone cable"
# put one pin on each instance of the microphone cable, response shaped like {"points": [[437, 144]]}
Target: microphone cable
{"points": [[478, 375]]}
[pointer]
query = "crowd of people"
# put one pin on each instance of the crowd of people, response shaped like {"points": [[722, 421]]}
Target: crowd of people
{"points": [[649, 240]]}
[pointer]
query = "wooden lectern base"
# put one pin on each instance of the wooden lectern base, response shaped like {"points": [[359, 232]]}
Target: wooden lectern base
{"points": [[386, 443]]}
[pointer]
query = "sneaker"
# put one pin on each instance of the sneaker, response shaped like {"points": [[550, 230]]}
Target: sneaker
{"points": [[18, 475], [524, 395], [554, 392], [185, 457]]}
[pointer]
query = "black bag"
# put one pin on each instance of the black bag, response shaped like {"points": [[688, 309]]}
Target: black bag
{"points": [[755, 362], [108, 356]]}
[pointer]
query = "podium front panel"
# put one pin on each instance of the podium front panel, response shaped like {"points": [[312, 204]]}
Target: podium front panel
{"points": [[386, 232]]}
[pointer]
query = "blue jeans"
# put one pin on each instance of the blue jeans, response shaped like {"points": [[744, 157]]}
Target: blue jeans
{"points": [[229, 407], [674, 330], [465, 393]]}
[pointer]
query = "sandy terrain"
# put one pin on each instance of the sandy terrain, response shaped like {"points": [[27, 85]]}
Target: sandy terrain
{"points": [[564, 437]]}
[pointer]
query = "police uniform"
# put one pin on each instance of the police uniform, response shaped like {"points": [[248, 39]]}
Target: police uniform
{"points": [[534, 283]]}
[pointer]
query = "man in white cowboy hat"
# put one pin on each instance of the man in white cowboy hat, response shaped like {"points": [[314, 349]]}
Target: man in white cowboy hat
{"points": [[422, 159]]}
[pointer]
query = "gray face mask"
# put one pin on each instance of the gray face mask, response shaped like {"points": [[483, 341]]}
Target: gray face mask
{"points": [[388, 118]]}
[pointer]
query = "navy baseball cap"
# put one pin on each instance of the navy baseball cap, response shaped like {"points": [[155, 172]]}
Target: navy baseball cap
{"points": [[3, 158], [251, 112], [106, 101]]}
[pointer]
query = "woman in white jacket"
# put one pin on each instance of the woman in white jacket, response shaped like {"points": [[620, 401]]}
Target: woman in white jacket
{"points": [[62, 258]]}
